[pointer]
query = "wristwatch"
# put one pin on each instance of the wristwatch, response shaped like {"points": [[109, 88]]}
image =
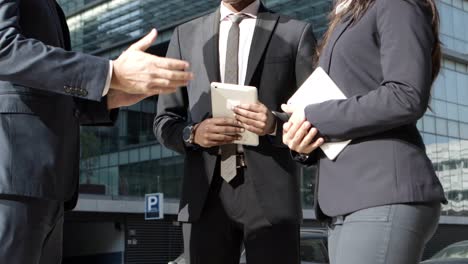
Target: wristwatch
{"points": [[188, 134]]}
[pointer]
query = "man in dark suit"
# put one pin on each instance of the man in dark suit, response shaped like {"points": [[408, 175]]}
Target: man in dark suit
{"points": [[259, 203], [45, 93]]}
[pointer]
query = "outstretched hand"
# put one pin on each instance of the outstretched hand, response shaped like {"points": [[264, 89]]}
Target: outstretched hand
{"points": [[138, 72]]}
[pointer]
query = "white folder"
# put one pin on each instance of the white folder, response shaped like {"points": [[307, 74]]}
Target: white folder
{"points": [[318, 88]]}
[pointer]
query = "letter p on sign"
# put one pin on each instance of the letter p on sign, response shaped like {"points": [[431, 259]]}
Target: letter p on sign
{"points": [[154, 205]]}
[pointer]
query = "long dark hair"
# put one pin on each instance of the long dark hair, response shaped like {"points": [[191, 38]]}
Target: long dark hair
{"points": [[357, 9]]}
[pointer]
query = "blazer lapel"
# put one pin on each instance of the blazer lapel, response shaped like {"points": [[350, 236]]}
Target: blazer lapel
{"points": [[266, 22], [338, 32], [65, 36], [211, 47]]}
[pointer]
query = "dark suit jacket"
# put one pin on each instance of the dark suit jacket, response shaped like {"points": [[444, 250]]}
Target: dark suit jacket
{"points": [[42, 92], [383, 65], [281, 58]]}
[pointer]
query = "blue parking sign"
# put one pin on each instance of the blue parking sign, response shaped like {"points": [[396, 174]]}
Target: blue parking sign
{"points": [[154, 206]]}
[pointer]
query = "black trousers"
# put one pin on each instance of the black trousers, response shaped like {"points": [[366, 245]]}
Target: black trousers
{"points": [[30, 230], [233, 218]]}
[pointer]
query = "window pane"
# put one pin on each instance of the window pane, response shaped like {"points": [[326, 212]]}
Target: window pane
{"points": [[441, 126], [440, 108], [452, 111], [451, 86], [429, 124], [463, 89], [453, 130]]}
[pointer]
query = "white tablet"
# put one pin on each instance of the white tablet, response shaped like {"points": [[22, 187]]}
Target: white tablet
{"points": [[226, 96]]}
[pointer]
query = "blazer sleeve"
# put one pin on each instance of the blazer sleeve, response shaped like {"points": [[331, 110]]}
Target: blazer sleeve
{"points": [[406, 42], [171, 117], [304, 66], [31, 63]]}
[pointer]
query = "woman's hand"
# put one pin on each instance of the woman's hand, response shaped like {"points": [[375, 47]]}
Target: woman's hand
{"points": [[298, 134]]}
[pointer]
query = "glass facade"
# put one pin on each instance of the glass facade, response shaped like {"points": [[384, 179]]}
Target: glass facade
{"points": [[125, 160]]}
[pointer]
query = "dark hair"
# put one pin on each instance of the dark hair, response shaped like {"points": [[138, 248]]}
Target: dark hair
{"points": [[357, 9]]}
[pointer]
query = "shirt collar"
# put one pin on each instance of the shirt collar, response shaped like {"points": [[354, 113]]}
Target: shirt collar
{"points": [[251, 10]]}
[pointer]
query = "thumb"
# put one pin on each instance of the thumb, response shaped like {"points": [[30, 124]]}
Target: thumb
{"points": [[145, 42], [287, 108]]}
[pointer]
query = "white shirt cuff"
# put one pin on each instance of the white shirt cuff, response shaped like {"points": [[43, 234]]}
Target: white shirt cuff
{"points": [[108, 80]]}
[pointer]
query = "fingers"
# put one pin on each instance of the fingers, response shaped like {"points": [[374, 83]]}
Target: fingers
{"points": [[256, 108], [162, 78], [212, 140], [254, 117], [145, 42], [225, 121], [302, 140], [170, 64], [296, 139], [250, 118], [252, 125], [286, 127], [218, 131], [174, 75], [293, 128], [165, 84], [225, 130], [311, 147]]}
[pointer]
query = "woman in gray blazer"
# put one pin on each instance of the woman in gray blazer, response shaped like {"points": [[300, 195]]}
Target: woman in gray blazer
{"points": [[380, 196]]}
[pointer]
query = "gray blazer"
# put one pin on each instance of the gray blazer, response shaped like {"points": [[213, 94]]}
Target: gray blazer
{"points": [[383, 65], [282, 58], [43, 89]]}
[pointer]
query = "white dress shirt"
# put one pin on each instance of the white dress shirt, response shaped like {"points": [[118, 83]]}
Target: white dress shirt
{"points": [[246, 32], [247, 27]]}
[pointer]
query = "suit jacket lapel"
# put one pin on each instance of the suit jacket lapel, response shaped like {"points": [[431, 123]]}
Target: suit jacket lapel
{"points": [[266, 22], [337, 33], [211, 47], [65, 36]]}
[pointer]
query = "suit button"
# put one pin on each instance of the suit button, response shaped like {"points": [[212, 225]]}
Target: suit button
{"points": [[76, 113]]}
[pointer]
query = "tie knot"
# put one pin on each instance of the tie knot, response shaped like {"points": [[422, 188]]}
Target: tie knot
{"points": [[236, 18]]}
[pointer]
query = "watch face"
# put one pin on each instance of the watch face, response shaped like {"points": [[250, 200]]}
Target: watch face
{"points": [[187, 133]]}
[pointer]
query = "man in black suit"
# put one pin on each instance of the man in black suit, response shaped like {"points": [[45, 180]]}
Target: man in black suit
{"points": [[259, 203], [46, 91]]}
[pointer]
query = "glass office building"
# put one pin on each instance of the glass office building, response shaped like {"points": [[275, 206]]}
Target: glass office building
{"points": [[121, 164]]}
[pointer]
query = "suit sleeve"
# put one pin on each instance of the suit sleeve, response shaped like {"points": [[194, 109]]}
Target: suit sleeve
{"points": [[406, 42], [304, 66], [31, 63], [171, 117]]}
